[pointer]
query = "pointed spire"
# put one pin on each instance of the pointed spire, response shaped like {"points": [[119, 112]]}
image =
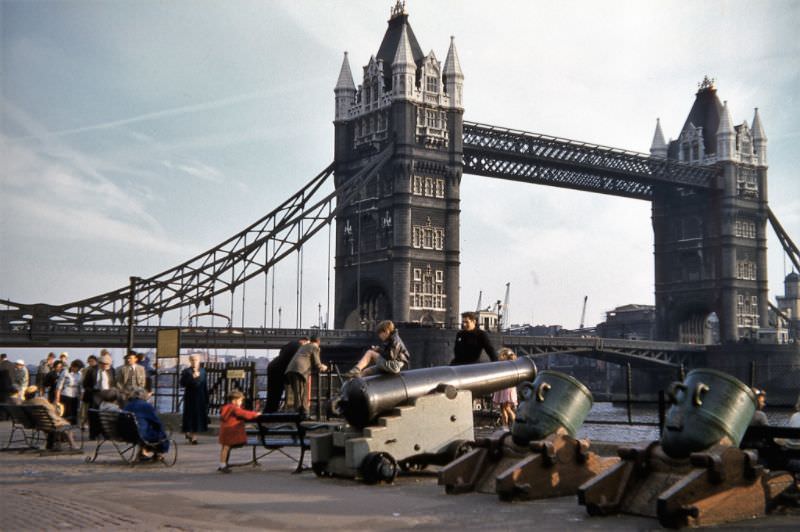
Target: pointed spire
{"points": [[658, 148], [404, 54], [452, 66], [726, 136], [345, 76], [758, 129], [759, 141], [725, 121]]}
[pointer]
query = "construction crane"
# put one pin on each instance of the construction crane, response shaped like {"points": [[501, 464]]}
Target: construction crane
{"points": [[502, 310], [583, 312]]}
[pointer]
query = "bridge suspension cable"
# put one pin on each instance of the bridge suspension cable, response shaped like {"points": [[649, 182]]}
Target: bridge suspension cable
{"points": [[222, 268], [788, 245]]}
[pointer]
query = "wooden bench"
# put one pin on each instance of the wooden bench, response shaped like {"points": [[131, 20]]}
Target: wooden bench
{"points": [[121, 429], [23, 427], [772, 454], [43, 423], [274, 432]]}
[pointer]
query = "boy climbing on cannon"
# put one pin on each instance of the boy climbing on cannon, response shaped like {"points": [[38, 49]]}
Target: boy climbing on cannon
{"points": [[389, 357]]}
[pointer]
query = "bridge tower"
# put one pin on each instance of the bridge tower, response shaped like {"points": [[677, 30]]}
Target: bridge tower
{"points": [[397, 244], [710, 247]]}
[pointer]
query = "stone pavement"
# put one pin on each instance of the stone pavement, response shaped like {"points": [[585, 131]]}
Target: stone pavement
{"points": [[63, 492]]}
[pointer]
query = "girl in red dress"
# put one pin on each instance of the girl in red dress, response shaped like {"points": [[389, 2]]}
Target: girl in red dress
{"points": [[231, 427]]}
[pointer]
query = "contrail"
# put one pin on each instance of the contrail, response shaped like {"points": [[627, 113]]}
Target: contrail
{"points": [[186, 109]]}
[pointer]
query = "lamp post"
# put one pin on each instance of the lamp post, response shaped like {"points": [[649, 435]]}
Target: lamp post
{"points": [[131, 313]]}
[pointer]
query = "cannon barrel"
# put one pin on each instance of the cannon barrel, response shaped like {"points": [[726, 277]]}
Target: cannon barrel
{"points": [[363, 399]]}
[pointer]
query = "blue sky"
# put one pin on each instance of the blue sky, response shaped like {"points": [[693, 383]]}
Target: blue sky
{"points": [[138, 134]]}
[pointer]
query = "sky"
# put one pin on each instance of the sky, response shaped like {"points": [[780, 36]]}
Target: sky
{"points": [[137, 134]]}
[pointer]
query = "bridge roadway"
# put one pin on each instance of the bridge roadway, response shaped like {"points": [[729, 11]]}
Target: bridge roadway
{"points": [[638, 353]]}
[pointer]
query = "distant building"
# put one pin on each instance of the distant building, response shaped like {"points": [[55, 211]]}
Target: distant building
{"points": [[788, 317], [631, 322], [488, 320], [534, 330]]}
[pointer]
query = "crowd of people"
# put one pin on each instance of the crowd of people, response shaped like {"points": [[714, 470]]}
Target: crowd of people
{"points": [[68, 389]]}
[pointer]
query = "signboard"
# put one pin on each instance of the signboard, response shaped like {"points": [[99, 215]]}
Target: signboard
{"points": [[168, 343], [234, 374]]}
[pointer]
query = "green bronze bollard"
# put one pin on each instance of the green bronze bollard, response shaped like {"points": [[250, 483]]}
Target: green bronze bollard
{"points": [[552, 401], [707, 407]]}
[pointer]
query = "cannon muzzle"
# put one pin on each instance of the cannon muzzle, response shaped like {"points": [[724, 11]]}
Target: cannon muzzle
{"points": [[364, 399]]}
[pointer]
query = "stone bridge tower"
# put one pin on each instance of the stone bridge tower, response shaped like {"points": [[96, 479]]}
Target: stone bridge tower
{"points": [[710, 246], [397, 245]]}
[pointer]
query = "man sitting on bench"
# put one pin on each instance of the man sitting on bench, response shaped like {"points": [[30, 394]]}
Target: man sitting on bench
{"points": [[32, 399]]}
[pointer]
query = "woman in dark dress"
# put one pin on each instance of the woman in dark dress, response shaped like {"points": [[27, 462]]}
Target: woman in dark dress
{"points": [[195, 399]]}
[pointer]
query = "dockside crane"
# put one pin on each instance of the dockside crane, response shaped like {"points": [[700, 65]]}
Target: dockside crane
{"points": [[502, 311], [583, 312]]}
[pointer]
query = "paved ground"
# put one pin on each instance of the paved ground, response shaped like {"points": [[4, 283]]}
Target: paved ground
{"points": [[63, 492]]}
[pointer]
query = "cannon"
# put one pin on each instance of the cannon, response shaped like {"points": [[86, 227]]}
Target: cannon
{"points": [[540, 457], [696, 475], [410, 420]]}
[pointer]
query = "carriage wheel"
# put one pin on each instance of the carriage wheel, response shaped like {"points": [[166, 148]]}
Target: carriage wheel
{"points": [[378, 467]]}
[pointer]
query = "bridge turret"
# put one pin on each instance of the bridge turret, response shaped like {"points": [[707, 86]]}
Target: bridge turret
{"points": [[397, 250], [710, 246], [759, 141], [658, 148], [345, 90], [453, 77], [726, 136], [404, 69]]}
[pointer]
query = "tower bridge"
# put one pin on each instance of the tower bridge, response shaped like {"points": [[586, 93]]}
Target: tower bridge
{"points": [[401, 147]]}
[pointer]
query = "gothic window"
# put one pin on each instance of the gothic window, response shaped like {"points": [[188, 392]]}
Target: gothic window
{"points": [[427, 236], [746, 270], [426, 293], [440, 188], [747, 311], [416, 185], [427, 242], [429, 186], [685, 152], [432, 84], [432, 119], [438, 238], [439, 276], [745, 229]]}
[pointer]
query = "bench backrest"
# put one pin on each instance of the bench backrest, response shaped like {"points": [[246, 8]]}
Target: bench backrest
{"points": [[19, 416], [41, 417], [116, 426]]}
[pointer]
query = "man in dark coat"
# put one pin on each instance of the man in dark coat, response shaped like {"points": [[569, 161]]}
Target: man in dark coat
{"points": [[6, 380], [276, 371], [470, 341]]}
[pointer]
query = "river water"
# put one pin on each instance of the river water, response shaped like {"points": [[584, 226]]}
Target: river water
{"points": [[594, 428]]}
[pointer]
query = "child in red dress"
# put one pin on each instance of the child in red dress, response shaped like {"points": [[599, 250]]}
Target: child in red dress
{"points": [[231, 427]]}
